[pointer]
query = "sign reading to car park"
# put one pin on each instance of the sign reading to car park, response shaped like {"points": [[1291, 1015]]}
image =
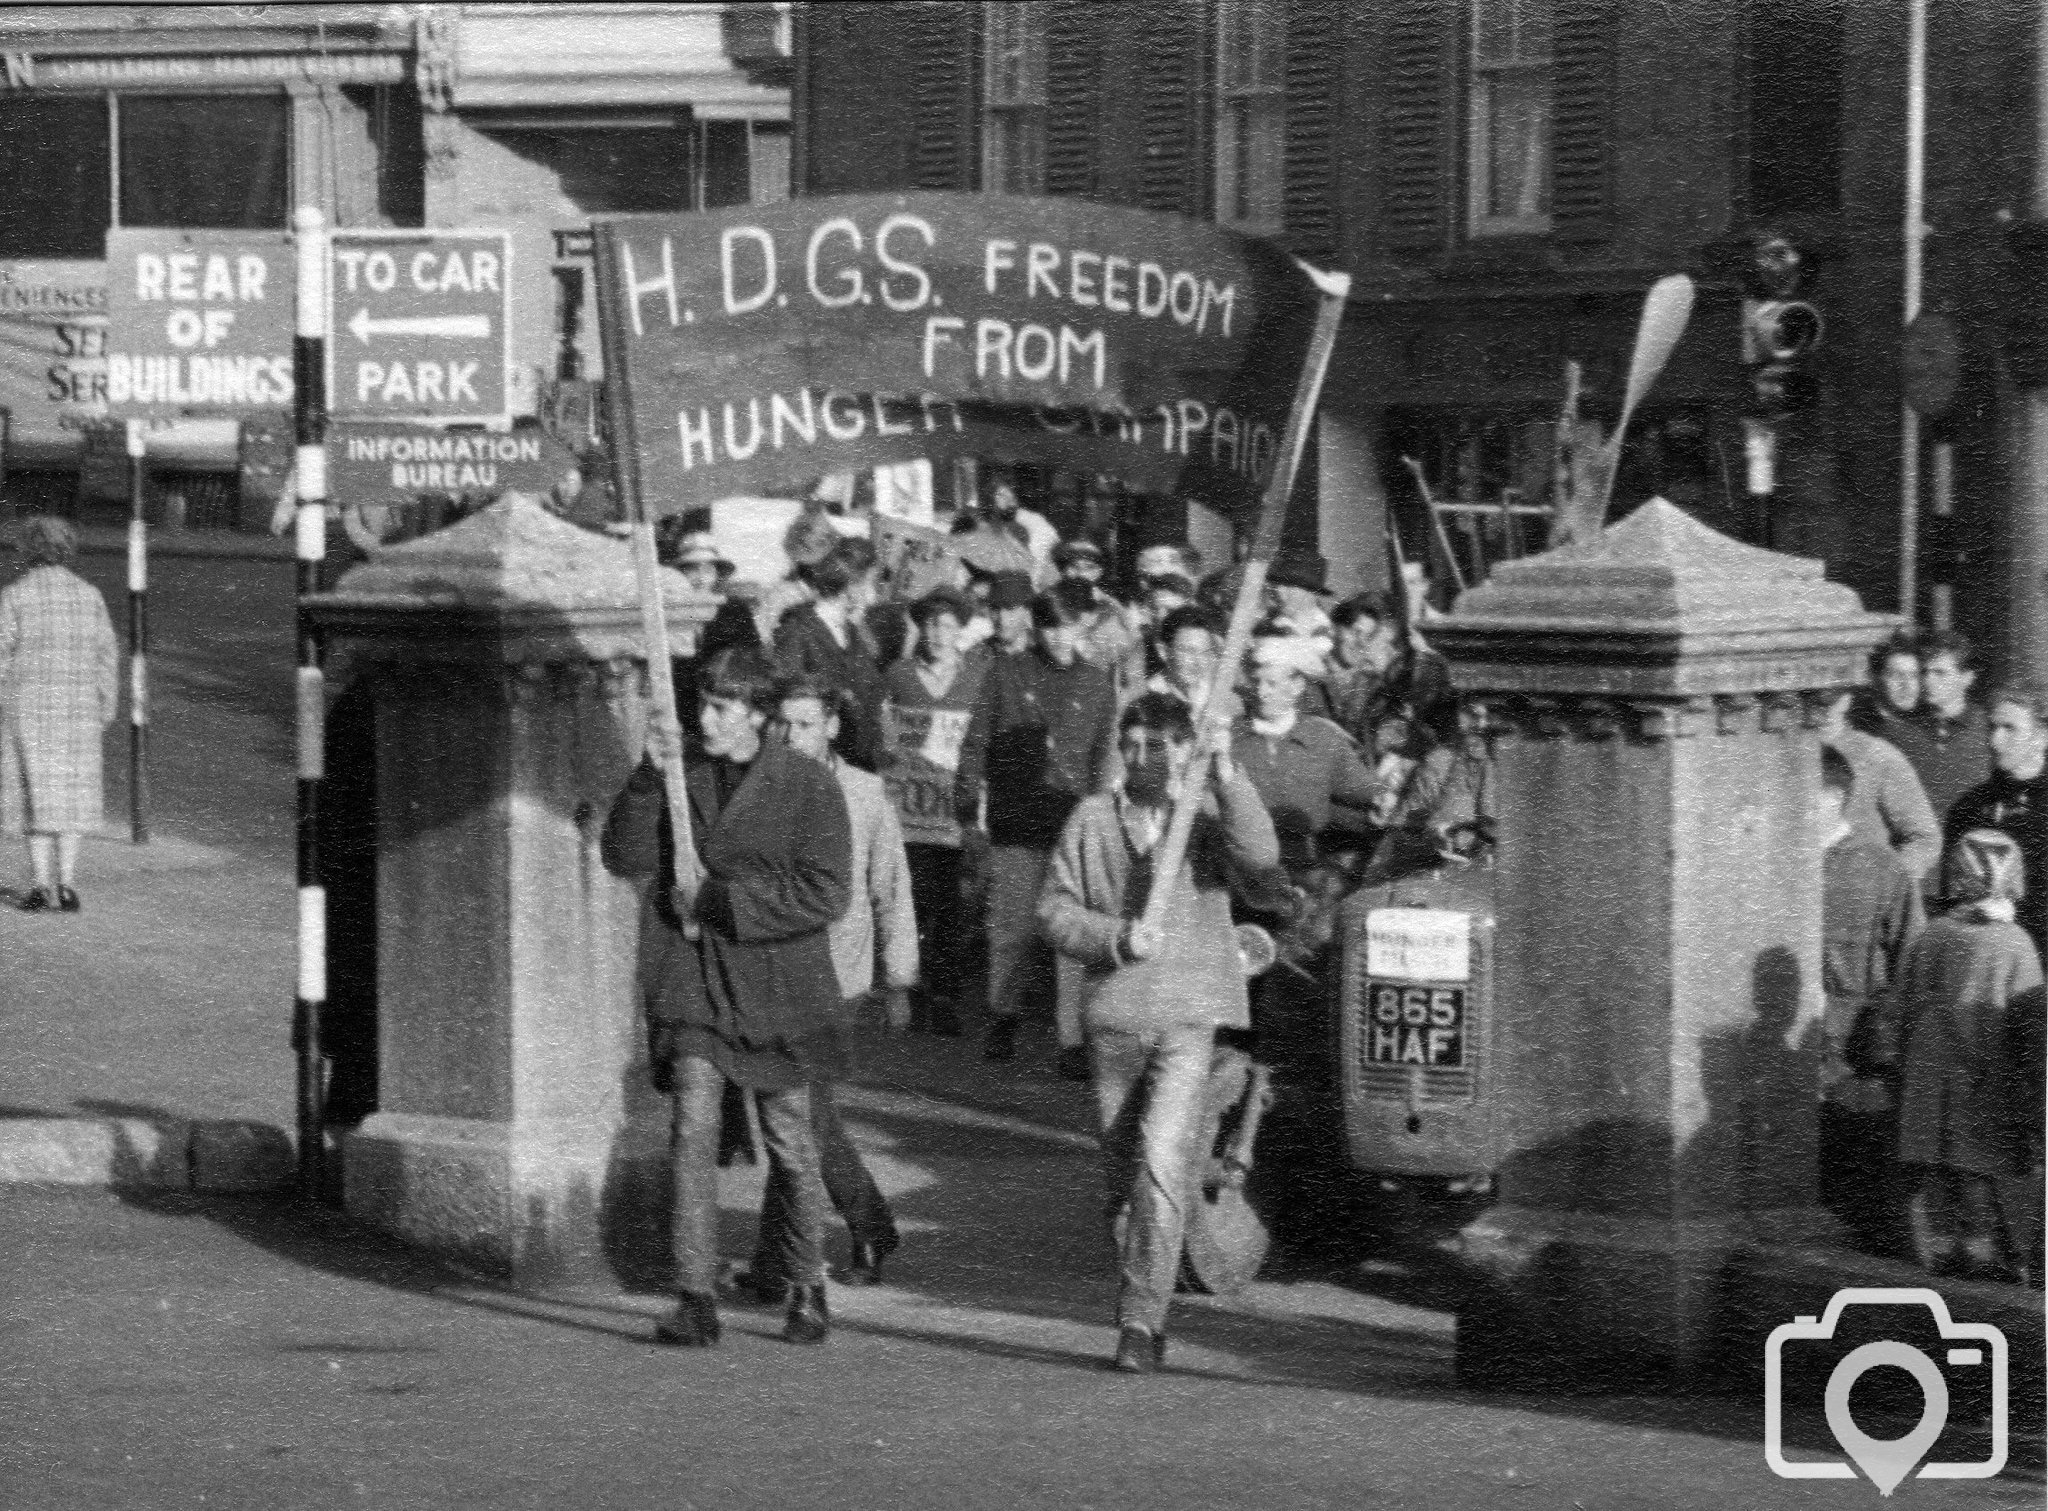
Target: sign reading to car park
{"points": [[382, 463], [198, 322], [418, 325]]}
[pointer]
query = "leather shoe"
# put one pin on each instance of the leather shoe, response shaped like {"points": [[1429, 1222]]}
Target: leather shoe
{"points": [[67, 900], [35, 900], [694, 1324], [1139, 1351], [1001, 1043], [864, 1265], [808, 1320]]}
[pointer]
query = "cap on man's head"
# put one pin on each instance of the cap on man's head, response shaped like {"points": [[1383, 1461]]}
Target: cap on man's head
{"points": [[1374, 604], [1162, 561], [1010, 590], [1170, 582], [1068, 551]]}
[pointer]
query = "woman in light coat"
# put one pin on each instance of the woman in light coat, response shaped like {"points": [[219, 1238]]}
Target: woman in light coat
{"points": [[59, 688]]}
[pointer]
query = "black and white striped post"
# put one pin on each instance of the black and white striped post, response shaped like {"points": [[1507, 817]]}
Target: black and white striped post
{"points": [[309, 404], [138, 636]]}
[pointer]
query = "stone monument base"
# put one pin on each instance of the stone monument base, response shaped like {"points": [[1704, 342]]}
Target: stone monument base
{"points": [[1595, 1304]]}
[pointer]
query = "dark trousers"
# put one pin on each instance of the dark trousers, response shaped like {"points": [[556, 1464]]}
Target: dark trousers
{"points": [[786, 1118], [1858, 1181], [942, 926], [852, 1190]]}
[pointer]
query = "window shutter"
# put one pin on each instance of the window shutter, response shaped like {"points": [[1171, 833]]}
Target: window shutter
{"points": [[1314, 54], [1581, 195], [1073, 122], [1170, 113], [942, 99], [1415, 191]]}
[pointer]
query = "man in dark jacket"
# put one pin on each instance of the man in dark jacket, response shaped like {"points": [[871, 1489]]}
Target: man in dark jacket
{"points": [[737, 980], [1043, 737]]}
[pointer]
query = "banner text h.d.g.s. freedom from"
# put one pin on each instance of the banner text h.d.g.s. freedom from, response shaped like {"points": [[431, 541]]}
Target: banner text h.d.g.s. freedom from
{"points": [[752, 349]]}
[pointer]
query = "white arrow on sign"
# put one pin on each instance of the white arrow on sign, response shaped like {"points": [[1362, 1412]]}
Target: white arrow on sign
{"points": [[362, 327]]}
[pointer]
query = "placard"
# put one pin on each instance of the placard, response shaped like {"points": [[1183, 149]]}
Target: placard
{"points": [[1418, 944]]}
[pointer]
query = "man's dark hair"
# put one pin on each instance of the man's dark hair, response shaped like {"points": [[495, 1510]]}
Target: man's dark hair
{"points": [[1158, 713], [844, 565], [1898, 643], [1359, 606], [1060, 605], [2022, 692], [1836, 772], [1947, 643], [941, 601], [1190, 616], [744, 672], [830, 698]]}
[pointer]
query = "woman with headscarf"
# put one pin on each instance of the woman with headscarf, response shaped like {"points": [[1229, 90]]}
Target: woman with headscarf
{"points": [[59, 688], [1963, 1107]]}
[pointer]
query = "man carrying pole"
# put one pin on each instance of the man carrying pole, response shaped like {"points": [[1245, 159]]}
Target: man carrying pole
{"points": [[1137, 894]]}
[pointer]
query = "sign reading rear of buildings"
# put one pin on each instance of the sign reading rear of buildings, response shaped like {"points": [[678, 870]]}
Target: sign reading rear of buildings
{"points": [[198, 322], [417, 325]]}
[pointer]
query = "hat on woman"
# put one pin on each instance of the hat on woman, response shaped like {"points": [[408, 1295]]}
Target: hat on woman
{"points": [[1983, 865], [698, 548], [1076, 550]]}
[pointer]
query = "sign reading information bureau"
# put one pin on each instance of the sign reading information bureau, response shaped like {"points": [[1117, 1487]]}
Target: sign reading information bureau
{"points": [[370, 463], [750, 349], [198, 322]]}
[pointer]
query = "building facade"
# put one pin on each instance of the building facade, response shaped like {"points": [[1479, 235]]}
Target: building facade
{"points": [[1504, 179], [529, 118]]}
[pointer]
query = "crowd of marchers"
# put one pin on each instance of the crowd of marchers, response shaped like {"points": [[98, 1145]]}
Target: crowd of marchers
{"points": [[932, 790]]}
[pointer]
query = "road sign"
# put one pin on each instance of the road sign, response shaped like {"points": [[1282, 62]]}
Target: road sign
{"points": [[389, 462], [418, 324], [198, 322]]}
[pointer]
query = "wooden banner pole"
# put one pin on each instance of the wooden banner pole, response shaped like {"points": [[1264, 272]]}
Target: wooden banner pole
{"points": [[1334, 288]]}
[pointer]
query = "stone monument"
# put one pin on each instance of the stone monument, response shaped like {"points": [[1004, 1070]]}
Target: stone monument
{"points": [[503, 665], [1653, 697]]}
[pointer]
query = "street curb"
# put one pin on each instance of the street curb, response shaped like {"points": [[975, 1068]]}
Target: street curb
{"points": [[222, 1156]]}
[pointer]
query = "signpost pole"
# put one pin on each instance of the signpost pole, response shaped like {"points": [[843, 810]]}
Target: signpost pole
{"points": [[309, 413], [138, 638], [1334, 288]]}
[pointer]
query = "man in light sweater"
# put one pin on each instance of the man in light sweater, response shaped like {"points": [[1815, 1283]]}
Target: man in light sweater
{"points": [[1153, 996]]}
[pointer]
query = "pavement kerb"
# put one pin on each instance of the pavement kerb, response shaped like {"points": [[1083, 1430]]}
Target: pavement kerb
{"points": [[251, 1158], [221, 1156]]}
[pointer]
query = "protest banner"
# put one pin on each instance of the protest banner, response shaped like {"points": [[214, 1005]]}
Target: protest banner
{"points": [[752, 349]]}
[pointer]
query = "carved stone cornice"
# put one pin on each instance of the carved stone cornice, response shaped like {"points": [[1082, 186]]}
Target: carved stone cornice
{"points": [[512, 585], [1658, 606], [1592, 717]]}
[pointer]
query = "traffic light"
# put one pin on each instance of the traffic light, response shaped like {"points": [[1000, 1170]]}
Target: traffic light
{"points": [[1780, 331]]}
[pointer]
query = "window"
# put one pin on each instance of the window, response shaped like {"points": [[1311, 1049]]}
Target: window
{"points": [[1013, 143], [79, 164], [58, 197], [1251, 114], [1795, 108], [1510, 120]]}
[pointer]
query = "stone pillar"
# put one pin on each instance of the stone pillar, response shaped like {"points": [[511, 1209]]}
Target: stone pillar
{"points": [[1654, 697], [508, 697]]}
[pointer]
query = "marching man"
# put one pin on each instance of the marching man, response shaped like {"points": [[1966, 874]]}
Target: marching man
{"points": [[1152, 997]]}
